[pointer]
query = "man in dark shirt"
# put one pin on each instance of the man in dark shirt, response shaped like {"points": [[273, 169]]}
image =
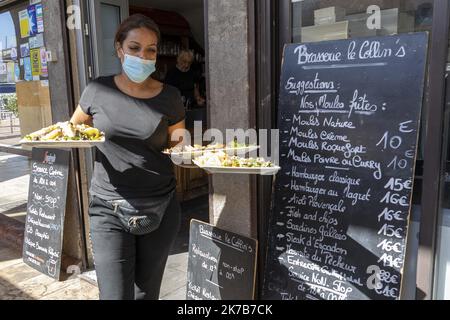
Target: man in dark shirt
{"points": [[185, 79]]}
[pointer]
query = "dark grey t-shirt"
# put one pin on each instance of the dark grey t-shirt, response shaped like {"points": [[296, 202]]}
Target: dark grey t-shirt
{"points": [[130, 163]]}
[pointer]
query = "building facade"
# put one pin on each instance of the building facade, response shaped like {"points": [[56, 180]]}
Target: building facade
{"points": [[243, 45]]}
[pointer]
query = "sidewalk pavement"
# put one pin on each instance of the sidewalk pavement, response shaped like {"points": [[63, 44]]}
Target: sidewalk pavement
{"points": [[6, 136], [20, 282], [14, 181]]}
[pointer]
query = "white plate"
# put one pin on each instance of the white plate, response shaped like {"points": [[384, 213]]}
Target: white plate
{"points": [[62, 144], [229, 151], [185, 159], [264, 171], [240, 151]]}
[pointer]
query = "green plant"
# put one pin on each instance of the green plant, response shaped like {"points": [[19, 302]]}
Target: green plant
{"points": [[10, 103]]}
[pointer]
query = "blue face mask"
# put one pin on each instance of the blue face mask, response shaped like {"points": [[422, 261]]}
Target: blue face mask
{"points": [[137, 69]]}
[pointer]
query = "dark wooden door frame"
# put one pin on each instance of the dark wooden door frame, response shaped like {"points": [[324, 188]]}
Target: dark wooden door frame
{"points": [[265, 53], [273, 30], [82, 56], [433, 168]]}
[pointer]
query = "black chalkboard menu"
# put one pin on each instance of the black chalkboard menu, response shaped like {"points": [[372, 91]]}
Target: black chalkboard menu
{"points": [[46, 209], [349, 113], [221, 264]]}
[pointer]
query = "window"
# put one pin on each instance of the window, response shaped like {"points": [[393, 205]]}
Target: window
{"points": [[321, 20], [23, 70]]}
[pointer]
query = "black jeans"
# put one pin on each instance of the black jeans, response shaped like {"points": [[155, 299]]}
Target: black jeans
{"points": [[130, 267]]}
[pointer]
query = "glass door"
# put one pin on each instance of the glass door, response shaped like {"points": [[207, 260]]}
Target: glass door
{"points": [[106, 17]]}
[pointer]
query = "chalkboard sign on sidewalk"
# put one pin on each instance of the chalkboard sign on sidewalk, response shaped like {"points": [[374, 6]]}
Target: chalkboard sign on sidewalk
{"points": [[221, 265], [349, 114], [46, 209]]}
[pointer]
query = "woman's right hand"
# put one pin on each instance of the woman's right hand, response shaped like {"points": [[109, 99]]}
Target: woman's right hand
{"points": [[79, 117]]}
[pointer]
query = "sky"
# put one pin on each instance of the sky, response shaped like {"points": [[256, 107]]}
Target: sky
{"points": [[7, 30]]}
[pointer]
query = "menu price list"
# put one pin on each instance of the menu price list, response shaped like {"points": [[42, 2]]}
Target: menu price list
{"points": [[348, 141], [45, 211], [221, 264]]}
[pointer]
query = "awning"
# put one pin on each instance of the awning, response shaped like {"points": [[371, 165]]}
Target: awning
{"points": [[7, 88]]}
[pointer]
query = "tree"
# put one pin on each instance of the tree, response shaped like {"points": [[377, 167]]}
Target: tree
{"points": [[10, 103]]}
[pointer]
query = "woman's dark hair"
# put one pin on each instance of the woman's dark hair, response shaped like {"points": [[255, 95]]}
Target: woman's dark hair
{"points": [[135, 21]]}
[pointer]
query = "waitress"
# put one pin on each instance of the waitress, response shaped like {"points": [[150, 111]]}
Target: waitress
{"points": [[134, 214]]}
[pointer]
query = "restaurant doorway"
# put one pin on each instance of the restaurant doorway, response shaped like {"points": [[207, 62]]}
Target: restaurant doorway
{"points": [[182, 28]]}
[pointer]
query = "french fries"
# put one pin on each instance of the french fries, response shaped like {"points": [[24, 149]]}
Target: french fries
{"points": [[41, 133], [53, 135]]}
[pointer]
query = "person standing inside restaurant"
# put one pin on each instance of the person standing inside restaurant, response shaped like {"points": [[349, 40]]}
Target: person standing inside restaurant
{"points": [[134, 213], [184, 77]]}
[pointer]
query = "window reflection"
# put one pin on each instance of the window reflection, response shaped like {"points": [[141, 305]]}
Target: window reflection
{"points": [[343, 19], [8, 31]]}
